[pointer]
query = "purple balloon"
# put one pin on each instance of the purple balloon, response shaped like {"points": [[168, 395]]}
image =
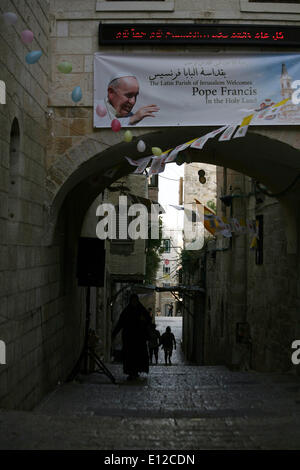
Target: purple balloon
{"points": [[27, 36], [10, 17]]}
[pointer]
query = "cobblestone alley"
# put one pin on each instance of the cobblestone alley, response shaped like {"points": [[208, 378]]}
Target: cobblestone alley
{"points": [[176, 407]]}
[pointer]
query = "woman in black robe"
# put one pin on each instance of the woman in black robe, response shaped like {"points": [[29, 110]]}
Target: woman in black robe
{"points": [[134, 322]]}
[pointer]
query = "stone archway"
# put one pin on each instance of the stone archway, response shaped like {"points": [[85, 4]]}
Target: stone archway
{"points": [[267, 154], [76, 178]]}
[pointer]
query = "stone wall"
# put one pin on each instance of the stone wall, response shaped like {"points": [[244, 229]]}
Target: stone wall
{"points": [[266, 295], [31, 322]]}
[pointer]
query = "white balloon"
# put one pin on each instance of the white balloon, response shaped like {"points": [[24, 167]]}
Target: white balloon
{"points": [[141, 146]]}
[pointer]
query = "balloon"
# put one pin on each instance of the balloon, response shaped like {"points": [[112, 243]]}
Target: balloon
{"points": [[33, 57], [10, 18], [27, 36], [115, 125], [101, 111], [76, 94], [141, 146], [156, 151], [65, 67], [128, 136]]}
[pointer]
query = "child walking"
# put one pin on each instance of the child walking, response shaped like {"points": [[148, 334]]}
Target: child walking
{"points": [[167, 341], [153, 342]]}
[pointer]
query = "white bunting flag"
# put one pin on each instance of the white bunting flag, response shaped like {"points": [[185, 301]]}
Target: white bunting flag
{"points": [[236, 225], [179, 208], [227, 134], [173, 154], [226, 233], [199, 143], [242, 130], [142, 167], [251, 226], [157, 165], [138, 162], [141, 164]]}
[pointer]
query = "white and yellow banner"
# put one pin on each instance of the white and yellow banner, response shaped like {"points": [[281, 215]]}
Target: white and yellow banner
{"points": [[148, 90]]}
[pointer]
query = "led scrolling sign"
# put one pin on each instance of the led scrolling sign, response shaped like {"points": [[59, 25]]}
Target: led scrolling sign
{"points": [[135, 34]]}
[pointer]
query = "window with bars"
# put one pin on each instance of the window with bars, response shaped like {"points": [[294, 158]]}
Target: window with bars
{"points": [[167, 246], [166, 269]]}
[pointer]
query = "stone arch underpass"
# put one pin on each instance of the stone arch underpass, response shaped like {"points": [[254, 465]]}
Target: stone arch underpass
{"points": [[270, 156], [76, 178]]}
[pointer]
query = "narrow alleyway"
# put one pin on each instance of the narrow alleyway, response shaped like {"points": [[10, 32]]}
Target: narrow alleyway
{"points": [[174, 407]]}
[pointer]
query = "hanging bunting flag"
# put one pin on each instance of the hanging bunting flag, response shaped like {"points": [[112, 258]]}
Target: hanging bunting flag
{"points": [[157, 166], [168, 156], [242, 130], [243, 226], [251, 226], [226, 233], [173, 153], [220, 223], [141, 164], [236, 225], [199, 143], [211, 223], [227, 228], [139, 161], [209, 217], [179, 208], [227, 134], [142, 167], [164, 155], [253, 244]]}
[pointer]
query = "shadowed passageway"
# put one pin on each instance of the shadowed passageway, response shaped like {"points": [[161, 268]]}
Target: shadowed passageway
{"points": [[175, 407]]}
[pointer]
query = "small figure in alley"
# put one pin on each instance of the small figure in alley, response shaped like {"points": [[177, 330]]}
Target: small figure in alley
{"points": [[153, 342], [170, 311], [167, 341], [134, 322]]}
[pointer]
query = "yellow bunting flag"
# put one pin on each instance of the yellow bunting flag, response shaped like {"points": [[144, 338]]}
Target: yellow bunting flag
{"points": [[253, 244], [242, 130], [209, 217]]}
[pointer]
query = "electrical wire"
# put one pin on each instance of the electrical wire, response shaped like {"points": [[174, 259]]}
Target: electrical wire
{"points": [[171, 179]]}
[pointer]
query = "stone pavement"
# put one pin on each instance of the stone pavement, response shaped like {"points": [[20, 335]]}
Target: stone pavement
{"points": [[177, 407]]}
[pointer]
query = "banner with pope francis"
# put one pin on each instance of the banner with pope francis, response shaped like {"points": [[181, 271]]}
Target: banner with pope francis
{"points": [[166, 89]]}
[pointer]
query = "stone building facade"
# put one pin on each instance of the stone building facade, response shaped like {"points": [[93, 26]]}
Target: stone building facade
{"points": [[253, 289], [54, 164]]}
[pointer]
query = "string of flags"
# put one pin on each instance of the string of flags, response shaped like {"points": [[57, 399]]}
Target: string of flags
{"points": [[269, 109], [224, 226], [216, 225]]}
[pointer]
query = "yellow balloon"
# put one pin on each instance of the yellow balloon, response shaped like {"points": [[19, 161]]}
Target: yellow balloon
{"points": [[156, 151], [128, 136]]}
